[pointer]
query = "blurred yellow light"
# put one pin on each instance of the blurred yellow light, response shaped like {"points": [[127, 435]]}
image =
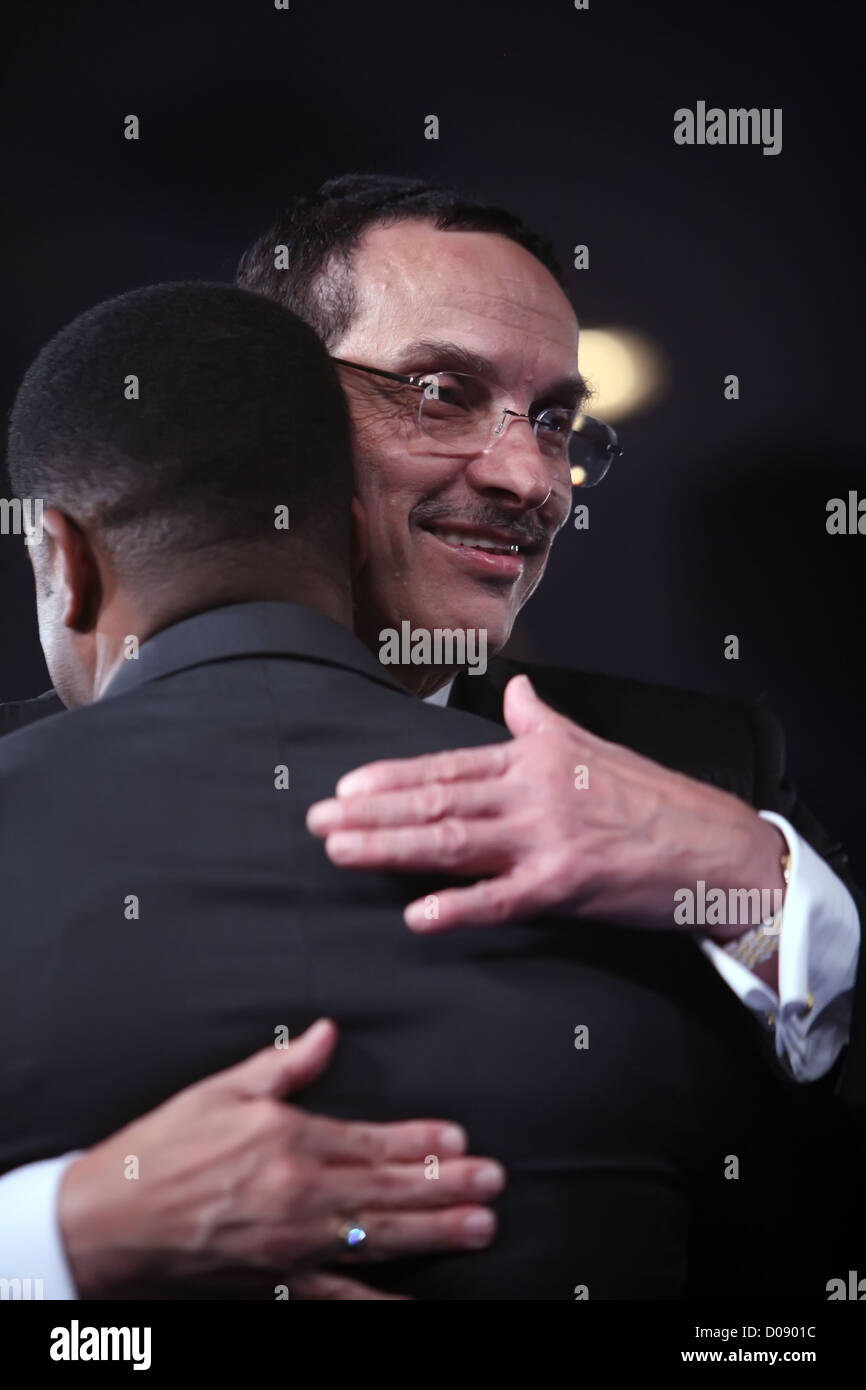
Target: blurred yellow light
{"points": [[627, 370]]}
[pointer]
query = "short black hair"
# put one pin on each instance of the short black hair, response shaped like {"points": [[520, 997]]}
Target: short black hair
{"points": [[321, 230], [239, 410]]}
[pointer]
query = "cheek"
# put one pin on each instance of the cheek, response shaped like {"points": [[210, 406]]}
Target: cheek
{"points": [[388, 487], [374, 453], [563, 494], [533, 577], [386, 503], [379, 429]]}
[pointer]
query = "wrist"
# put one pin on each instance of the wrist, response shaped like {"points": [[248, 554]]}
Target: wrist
{"points": [[89, 1227], [760, 870]]}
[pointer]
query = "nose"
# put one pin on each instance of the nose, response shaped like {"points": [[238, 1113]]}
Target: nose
{"points": [[511, 469]]}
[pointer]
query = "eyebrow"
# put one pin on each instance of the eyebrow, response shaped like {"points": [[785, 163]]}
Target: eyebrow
{"points": [[436, 353]]}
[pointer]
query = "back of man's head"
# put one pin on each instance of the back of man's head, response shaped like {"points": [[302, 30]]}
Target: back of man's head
{"points": [[180, 418], [187, 446]]}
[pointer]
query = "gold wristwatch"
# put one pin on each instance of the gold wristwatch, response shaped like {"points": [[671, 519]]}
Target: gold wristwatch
{"points": [[760, 943]]}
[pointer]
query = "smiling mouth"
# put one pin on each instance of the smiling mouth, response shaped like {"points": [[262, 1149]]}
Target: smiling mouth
{"points": [[476, 543], [488, 539]]}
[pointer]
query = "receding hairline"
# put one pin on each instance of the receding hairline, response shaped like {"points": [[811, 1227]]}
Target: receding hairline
{"points": [[344, 258]]}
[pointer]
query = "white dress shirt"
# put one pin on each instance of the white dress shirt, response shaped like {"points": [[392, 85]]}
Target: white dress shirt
{"points": [[818, 949], [31, 1246]]}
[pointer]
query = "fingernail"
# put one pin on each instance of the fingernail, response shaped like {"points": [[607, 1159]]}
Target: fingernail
{"points": [[324, 815], [490, 1179], [453, 1140], [344, 846], [315, 1030], [479, 1227], [415, 917], [351, 784]]}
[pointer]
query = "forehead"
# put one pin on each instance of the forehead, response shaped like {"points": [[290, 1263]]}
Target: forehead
{"points": [[478, 289]]}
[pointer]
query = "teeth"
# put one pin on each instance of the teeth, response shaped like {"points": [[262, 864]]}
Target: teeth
{"points": [[459, 538]]}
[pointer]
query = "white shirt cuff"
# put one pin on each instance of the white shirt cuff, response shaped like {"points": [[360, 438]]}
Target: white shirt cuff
{"points": [[818, 948], [32, 1258]]}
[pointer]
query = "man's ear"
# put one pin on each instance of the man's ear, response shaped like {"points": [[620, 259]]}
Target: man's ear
{"points": [[66, 568], [360, 537]]}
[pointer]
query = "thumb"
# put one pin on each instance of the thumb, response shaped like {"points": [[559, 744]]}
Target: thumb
{"points": [[523, 711], [277, 1071]]}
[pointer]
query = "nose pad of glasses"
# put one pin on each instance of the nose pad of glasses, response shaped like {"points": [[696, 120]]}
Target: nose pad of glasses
{"points": [[502, 425]]}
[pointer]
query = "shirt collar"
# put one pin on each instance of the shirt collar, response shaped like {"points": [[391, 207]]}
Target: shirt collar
{"points": [[440, 696]]}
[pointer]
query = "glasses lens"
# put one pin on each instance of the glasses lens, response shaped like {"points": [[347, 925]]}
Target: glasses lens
{"points": [[553, 429], [455, 409], [592, 448], [458, 411]]}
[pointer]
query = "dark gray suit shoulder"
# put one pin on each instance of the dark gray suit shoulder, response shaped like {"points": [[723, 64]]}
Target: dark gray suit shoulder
{"points": [[16, 714]]}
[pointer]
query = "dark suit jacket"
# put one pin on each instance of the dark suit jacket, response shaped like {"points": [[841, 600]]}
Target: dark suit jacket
{"points": [[163, 793]]}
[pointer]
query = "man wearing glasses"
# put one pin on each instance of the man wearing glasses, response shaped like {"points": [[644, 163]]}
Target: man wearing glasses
{"points": [[458, 353]]}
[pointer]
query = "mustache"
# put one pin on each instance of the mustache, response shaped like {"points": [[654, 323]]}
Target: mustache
{"points": [[526, 529]]}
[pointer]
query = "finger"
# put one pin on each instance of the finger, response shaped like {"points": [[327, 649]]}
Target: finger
{"points": [[454, 845], [451, 766], [388, 1233], [411, 1186], [485, 904], [391, 1235], [276, 1071], [413, 806], [335, 1287], [406, 1141]]}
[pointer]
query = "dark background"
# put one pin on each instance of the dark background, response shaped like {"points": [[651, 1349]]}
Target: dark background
{"points": [[714, 520]]}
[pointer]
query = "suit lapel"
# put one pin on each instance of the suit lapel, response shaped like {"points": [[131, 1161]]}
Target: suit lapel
{"points": [[481, 695]]}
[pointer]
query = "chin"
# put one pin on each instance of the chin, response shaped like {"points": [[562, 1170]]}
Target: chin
{"points": [[489, 617]]}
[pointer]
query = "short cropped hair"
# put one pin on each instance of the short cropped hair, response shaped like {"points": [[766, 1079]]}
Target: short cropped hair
{"points": [[178, 417], [322, 229]]}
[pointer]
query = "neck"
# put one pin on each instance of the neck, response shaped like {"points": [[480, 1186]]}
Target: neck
{"points": [[422, 674], [141, 614], [422, 680]]}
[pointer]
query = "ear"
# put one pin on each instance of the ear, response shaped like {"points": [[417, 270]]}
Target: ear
{"points": [[66, 568], [360, 537]]}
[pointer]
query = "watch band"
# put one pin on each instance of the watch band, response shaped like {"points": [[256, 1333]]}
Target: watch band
{"points": [[761, 943]]}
